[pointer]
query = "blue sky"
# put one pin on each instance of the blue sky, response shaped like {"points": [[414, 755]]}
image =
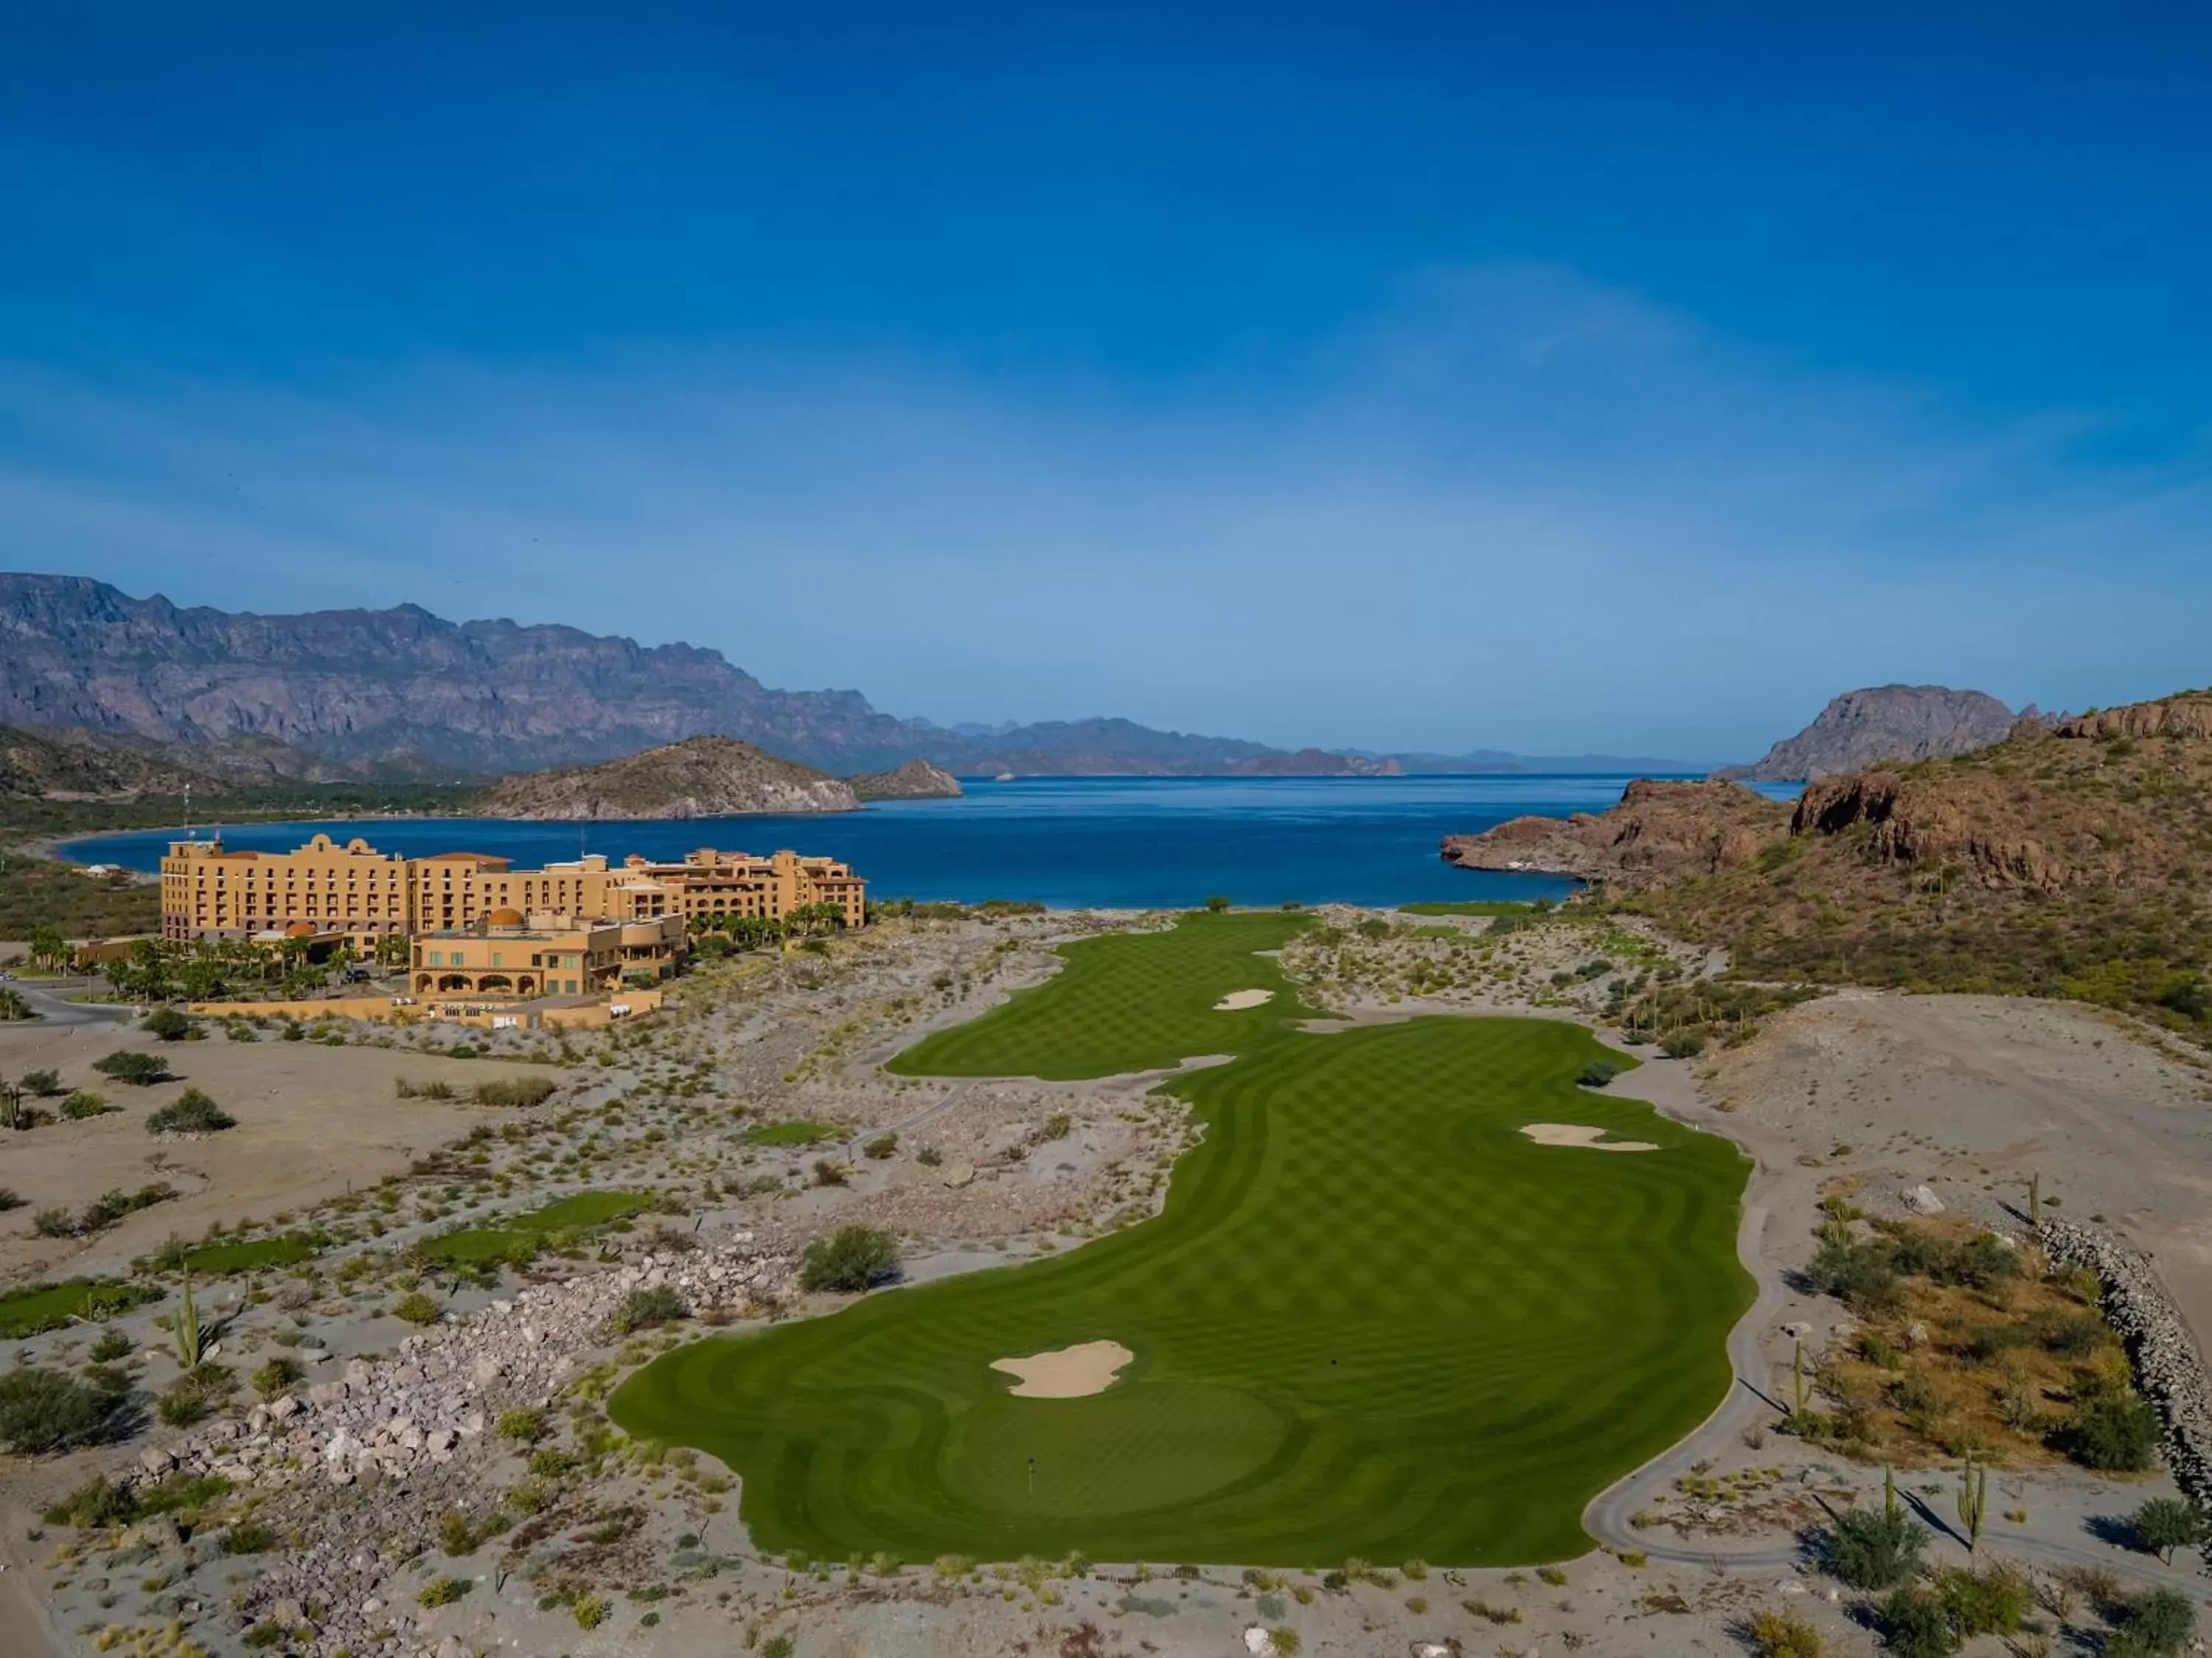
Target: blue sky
{"points": [[1553, 378]]}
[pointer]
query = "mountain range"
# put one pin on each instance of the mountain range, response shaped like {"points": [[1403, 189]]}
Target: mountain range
{"points": [[404, 692]]}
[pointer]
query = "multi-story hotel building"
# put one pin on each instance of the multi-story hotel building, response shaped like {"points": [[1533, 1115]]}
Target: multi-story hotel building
{"points": [[210, 892]]}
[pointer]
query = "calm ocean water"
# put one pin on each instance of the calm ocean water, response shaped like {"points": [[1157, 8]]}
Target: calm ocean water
{"points": [[1061, 841]]}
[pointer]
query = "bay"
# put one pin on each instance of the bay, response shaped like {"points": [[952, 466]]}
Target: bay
{"points": [[1064, 842]]}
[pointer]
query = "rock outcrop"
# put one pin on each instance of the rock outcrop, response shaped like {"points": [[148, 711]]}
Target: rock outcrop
{"points": [[384, 1447], [2168, 1368], [1883, 725], [1659, 833], [702, 778], [915, 780]]}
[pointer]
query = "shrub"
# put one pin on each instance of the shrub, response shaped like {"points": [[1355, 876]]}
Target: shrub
{"points": [[643, 1308], [1859, 1274], [96, 1504], [1598, 1073], [54, 1223], [1682, 1044], [2152, 1626], [442, 1591], [42, 1084], [167, 1025], [43, 1411], [139, 1069], [193, 1394], [828, 1174], [416, 1307], [883, 1146], [522, 1425], [1873, 1548], [190, 1112], [590, 1610], [1990, 1601], [2165, 1524], [1782, 1634], [517, 1091], [851, 1260], [2113, 1432], [274, 1377], [83, 1103], [113, 1344], [249, 1537], [1913, 1625], [929, 1158]]}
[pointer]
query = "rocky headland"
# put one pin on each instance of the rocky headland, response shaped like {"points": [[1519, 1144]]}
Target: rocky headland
{"points": [[1660, 832]]}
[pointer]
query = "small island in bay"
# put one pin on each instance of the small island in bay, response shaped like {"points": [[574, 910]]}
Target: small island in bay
{"points": [[915, 780], [698, 777]]}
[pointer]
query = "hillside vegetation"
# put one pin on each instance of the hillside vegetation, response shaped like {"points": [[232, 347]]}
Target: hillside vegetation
{"points": [[699, 778], [2064, 861]]}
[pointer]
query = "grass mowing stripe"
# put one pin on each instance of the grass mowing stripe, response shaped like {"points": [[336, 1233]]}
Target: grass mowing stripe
{"points": [[1374, 1318]]}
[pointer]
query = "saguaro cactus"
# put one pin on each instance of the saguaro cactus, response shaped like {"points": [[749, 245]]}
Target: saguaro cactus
{"points": [[188, 1328], [1973, 1503], [2035, 1202]]}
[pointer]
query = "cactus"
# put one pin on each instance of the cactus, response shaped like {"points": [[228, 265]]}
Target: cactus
{"points": [[2035, 1202], [188, 1328], [1889, 1496], [1973, 1503], [1797, 1380]]}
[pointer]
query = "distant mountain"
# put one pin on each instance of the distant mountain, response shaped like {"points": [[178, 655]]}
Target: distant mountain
{"points": [[698, 777], [1883, 725], [915, 780], [1492, 761], [390, 694]]}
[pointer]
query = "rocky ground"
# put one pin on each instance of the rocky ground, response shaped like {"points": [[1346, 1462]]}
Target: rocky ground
{"points": [[454, 1487]]}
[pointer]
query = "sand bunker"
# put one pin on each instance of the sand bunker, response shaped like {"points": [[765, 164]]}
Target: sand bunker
{"points": [[1070, 1372], [1238, 1001], [1582, 1135]]}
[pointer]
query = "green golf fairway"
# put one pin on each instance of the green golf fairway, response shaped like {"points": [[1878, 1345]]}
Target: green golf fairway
{"points": [[1374, 1318]]}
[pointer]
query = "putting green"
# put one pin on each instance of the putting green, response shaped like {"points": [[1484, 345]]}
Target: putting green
{"points": [[1374, 1318]]}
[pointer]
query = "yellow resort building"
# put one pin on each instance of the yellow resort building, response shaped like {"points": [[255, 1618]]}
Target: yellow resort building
{"points": [[358, 892], [509, 956]]}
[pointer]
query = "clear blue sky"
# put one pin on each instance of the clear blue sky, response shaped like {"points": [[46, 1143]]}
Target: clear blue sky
{"points": [[1551, 377]]}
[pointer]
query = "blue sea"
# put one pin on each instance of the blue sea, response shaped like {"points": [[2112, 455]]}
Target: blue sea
{"points": [[1066, 842]]}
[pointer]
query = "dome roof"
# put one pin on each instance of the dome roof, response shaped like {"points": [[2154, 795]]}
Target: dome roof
{"points": [[300, 929], [504, 918]]}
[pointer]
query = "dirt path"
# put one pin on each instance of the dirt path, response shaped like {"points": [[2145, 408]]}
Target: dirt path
{"points": [[1970, 1094]]}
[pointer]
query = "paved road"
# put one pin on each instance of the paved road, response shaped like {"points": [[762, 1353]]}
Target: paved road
{"points": [[46, 999]]}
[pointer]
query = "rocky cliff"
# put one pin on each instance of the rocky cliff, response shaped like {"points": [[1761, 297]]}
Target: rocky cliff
{"points": [[915, 780], [1883, 725], [699, 778], [1659, 833], [2068, 860]]}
